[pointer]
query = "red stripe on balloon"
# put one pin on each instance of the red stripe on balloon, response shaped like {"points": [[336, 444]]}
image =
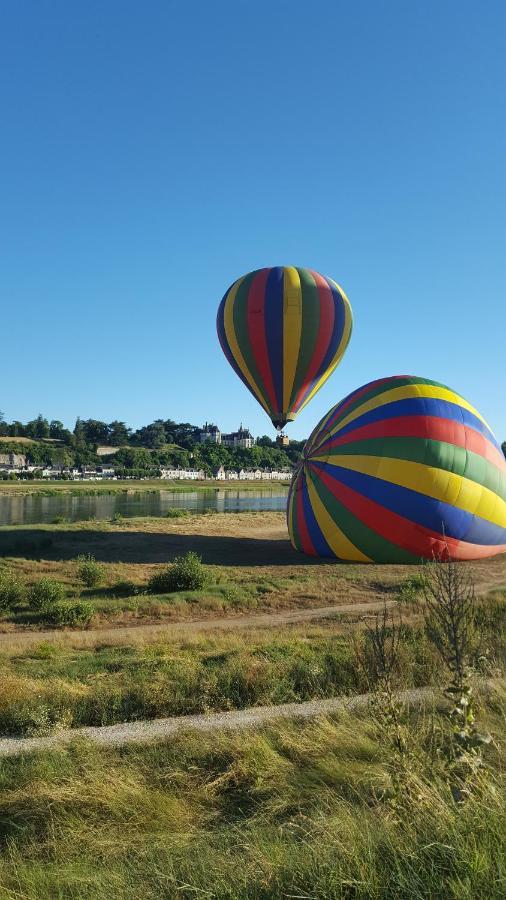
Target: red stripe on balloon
{"points": [[429, 427], [307, 544], [342, 407], [414, 538], [257, 334], [325, 329]]}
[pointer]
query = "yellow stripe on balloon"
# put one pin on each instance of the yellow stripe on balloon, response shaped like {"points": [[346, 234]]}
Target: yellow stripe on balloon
{"points": [[292, 327], [348, 325], [228, 318], [336, 539], [289, 516], [408, 391], [437, 483]]}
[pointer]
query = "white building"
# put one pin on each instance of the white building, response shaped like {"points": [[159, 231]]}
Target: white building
{"points": [[182, 474], [241, 438]]}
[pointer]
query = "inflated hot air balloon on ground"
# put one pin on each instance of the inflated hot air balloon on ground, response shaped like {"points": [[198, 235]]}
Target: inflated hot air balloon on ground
{"points": [[401, 469], [283, 331]]}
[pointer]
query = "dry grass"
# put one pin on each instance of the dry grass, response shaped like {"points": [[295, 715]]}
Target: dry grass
{"points": [[252, 565]]}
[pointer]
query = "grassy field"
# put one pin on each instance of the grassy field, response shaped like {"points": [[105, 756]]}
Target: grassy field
{"points": [[310, 810], [49, 488], [297, 810]]}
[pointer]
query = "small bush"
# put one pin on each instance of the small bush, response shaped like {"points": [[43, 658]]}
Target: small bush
{"points": [[176, 513], [78, 613], [89, 571], [12, 591], [126, 589], [44, 593], [185, 574]]}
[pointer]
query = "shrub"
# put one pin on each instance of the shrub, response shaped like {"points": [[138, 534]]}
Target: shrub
{"points": [[77, 613], [185, 574], [126, 589], [176, 513], [89, 571], [12, 591], [44, 593]]}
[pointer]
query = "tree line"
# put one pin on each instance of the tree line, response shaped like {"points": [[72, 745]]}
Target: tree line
{"points": [[162, 443]]}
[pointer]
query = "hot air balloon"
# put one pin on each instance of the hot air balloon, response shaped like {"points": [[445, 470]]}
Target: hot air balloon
{"points": [[283, 331], [401, 469]]}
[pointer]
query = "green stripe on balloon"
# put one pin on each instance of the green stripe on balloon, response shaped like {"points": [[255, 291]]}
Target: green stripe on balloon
{"points": [[439, 454]]}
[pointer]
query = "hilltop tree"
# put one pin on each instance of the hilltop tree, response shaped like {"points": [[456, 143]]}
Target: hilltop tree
{"points": [[79, 434], [119, 433], [58, 432], [38, 428]]}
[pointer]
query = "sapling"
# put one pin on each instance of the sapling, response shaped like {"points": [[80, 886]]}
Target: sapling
{"points": [[450, 617]]}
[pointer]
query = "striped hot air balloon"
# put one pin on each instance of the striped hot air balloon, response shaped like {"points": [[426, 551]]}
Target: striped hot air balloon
{"points": [[283, 331], [403, 468]]}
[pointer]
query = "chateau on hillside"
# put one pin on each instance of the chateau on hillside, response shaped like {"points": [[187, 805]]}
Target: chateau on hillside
{"points": [[240, 438]]}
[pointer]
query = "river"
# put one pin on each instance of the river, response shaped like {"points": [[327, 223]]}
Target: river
{"points": [[31, 509]]}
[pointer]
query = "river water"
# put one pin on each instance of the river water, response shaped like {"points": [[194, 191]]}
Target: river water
{"points": [[31, 509]]}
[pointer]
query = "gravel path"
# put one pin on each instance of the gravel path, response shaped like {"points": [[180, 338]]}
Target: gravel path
{"points": [[155, 729], [226, 623]]}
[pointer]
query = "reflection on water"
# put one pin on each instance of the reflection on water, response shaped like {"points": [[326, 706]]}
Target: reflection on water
{"points": [[29, 509]]}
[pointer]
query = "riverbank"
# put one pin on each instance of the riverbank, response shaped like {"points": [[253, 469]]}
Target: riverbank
{"points": [[92, 488]]}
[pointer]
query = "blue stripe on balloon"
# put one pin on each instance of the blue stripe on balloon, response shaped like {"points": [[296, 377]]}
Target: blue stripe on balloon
{"points": [[433, 514], [420, 406], [273, 317], [315, 533]]}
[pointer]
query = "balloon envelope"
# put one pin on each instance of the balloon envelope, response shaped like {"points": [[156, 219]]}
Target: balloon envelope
{"points": [[283, 331], [401, 469]]}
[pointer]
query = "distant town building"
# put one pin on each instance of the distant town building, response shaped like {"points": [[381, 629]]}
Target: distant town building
{"points": [[209, 432], [183, 474], [11, 462], [241, 438]]}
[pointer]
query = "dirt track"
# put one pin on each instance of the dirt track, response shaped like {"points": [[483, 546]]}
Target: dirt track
{"points": [[230, 623], [155, 729]]}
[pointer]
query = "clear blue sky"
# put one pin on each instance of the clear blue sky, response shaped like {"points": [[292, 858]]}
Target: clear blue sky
{"points": [[152, 152]]}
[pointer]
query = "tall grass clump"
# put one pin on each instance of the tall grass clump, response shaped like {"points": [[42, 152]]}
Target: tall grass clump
{"points": [[186, 573], [175, 513], [89, 571]]}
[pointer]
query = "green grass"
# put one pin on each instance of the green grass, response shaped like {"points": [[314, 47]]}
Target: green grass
{"points": [[297, 810], [54, 684]]}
